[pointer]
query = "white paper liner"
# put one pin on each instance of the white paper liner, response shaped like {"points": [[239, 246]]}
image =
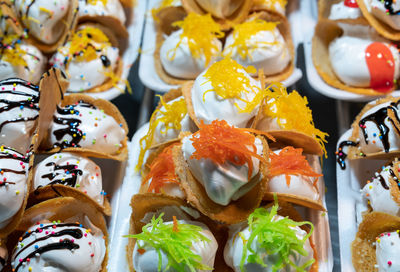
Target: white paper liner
{"points": [[148, 74]]}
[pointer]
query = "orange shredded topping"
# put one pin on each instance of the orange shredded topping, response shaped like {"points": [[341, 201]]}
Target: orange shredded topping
{"points": [[229, 80], [290, 161], [242, 34], [162, 171], [175, 227], [171, 115], [200, 32], [221, 142]]}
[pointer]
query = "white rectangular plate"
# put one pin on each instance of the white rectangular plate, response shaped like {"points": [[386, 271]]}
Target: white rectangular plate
{"points": [[147, 73], [122, 210]]}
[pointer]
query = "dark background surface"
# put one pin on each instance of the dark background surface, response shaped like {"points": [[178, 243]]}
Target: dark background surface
{"points": [[325, 118]]}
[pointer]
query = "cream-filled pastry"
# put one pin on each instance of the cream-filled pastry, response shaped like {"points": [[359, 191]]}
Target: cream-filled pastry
{"points": [[88, 59], [387, 252], [44, 20], [60, 247], [276, 244], [224, 160], [346, 9], [94, 8], [19, 104], [375, 62], [182, 245], [260, 44], [13, 183], [290, 173], [223, 92], [84, 125], [70, 170], [220, 8], [21, 60], [187, 52], [278, 6], [386, 11]]}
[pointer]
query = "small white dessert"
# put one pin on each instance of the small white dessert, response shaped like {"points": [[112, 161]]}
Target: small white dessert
{"points": [[227, 182], [84, 125], [233, 251], [220, 8], [45, 20], [387, 252], [34, 63], [264, 49], [146, 258], [70, 170], [87, 66], [13, 183], [19, 104], [386, 11], [361, 45], [378, 192], [208, 105], [60, 247], [347, 9]]}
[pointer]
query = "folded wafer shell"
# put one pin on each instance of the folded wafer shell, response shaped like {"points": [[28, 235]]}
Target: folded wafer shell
{"points": [[143, 204], [324, 10], [362, 248], [71, 19], [381, 27], [325, 32], [235, 211], [108, 108], [266, 5], [8, 14], [226, 23]]}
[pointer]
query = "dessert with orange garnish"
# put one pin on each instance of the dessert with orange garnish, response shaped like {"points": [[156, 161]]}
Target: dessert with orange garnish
{"points": [[222, 168], [293, 178]]}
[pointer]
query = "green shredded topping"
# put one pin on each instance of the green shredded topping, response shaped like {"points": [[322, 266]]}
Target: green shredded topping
{"points": [[276, 238], [176, 241]]}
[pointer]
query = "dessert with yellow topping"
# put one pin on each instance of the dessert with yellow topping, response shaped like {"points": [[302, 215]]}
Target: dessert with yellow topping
{"points": [[187, 51], [90, 59]]}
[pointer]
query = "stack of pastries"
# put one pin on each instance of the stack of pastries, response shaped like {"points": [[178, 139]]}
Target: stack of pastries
{"points": [[354, 45], [192, 34], [82, 38], [223, 165]]}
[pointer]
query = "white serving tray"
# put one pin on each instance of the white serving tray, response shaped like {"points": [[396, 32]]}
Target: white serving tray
{"points": [[309, 9], [131, 47], [350, 202], [121, 209], [147, 73]]}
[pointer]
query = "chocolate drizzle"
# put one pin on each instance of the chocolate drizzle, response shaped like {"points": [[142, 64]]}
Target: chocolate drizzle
{"points": [[379, 118], [341, 155], [70, 169], [72, 125], [389, 7]]}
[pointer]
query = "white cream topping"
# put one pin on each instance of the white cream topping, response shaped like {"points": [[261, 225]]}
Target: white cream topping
{"points": [[100, 132], [220, 8], [18, 122], [387, 252], [223, 183], [70, 170], [345, 48], [209, 106], [377, 9], [87, 253], [341, 11], [35, 65], [84, 75], [267, 51], [13, 183], [148, 261], [171, 189], [162, 136], [375, 143], [44, 19], [234, 249], [380, 198], [179, 62], [112, 8]]}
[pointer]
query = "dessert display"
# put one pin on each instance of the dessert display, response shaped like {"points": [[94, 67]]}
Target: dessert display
{"points": [[383, 16]]}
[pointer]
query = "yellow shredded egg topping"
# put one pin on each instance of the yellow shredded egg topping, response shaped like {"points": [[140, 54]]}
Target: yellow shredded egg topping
{"points": [[94, 2], [12, 51]]}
